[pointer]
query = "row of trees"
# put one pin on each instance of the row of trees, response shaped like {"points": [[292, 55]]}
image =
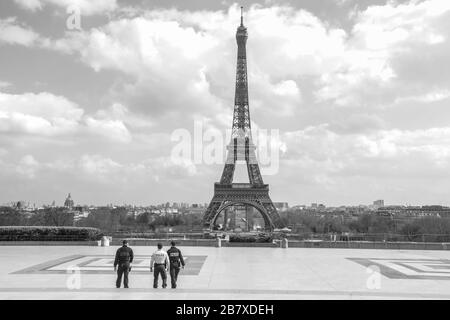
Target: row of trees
{"points": [[113, 220], [422, 229], [45, 217], [106, 219]]}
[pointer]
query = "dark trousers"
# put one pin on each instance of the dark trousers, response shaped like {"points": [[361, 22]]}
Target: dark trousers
{"points": [[123, 268], [174, 275], [157, 270]]}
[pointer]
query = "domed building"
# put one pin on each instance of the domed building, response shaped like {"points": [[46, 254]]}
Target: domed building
{"points": [[69, 202]]}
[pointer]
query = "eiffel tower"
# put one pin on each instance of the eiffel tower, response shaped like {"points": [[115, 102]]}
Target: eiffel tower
{"points": [[255, 193]]}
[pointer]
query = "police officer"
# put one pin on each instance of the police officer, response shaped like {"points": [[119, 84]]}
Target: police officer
{"points": [[124, 257], [160, 262], [176, 261]]}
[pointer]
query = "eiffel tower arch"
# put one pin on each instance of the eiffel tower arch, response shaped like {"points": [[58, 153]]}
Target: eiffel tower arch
{"points": [[241, 148], [239, 194]]}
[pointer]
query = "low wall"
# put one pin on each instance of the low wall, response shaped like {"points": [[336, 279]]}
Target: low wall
{"points": [[166, 242], [192, 243], [292, 244], [213, 243], [250, 244], [48, 243], [370, 245]]}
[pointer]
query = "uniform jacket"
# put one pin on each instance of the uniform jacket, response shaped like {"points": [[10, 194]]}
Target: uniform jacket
{"points": [[123, 255], [159, 257], [175, 257]]}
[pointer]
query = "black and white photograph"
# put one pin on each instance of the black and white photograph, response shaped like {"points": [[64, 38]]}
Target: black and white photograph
{"points": [[237, 152]]}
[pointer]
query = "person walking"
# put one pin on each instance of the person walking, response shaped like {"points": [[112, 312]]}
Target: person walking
{"points": [[160, 262], [176, 261], [122, 263]]}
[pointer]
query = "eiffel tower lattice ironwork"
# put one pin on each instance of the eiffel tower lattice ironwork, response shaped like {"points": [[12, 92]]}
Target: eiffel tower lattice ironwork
{"points": [[255, 193]]}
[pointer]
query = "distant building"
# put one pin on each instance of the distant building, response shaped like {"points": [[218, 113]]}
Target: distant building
{"points": [[196, 210], [20, 205], [171, 210], [378, 203], [69, 202], [80, 212], [281, 206]]}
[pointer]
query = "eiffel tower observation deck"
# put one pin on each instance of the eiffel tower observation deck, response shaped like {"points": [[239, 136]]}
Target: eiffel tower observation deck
{"points": [[255, 194]]}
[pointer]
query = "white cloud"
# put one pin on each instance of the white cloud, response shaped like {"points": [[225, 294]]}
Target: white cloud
{"points": [[86, 7], [120, 112], [111, 129], [381, 34], [430, 97], [398, 165], [11, 32], [286, 88], [387, 26], [173, 168], [192, 54], [277, 99], [42, 113], [32, 5], [357, 152], [98, 165], [46, 114]]}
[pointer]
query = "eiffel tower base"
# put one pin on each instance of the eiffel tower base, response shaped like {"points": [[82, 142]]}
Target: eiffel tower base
{"points": [[256, 196]]}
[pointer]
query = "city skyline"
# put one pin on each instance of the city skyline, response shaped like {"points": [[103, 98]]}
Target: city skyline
{"points": [[357, 89], [175, 204]]}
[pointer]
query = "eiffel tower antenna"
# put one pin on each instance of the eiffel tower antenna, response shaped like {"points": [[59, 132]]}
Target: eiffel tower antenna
{"points": [[241, 148]]}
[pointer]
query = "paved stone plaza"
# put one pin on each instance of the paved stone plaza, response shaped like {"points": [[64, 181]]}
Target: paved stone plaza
{"points": [[83, 272]]}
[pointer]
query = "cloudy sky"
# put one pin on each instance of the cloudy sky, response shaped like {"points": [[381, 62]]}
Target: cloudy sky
{"points": [[359, 91]]}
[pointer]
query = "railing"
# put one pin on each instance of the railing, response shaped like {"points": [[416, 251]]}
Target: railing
{"points": [[158, 235], [367, 237], [240, 186], [372, 237], [12, 237]]}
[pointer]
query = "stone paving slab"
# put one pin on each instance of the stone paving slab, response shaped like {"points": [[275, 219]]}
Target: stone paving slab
{"points": [[101, 264], [82, 272]]}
